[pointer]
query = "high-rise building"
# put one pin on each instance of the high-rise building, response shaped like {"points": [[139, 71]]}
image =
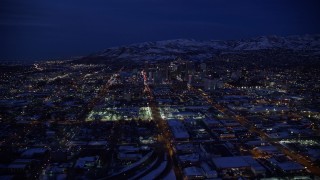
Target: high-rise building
{"points": [[190, 79], [212, 83], [157, 77]]}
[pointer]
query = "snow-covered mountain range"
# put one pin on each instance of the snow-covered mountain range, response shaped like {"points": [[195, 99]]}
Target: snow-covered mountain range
{"points": [[200, 50]]}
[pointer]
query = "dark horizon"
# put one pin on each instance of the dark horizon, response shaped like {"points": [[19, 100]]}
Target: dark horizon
{"points": [[36, 30]]}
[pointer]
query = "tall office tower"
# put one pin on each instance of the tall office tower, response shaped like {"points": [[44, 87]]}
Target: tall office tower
{"points": [[165, 72], [157, 77], [211, 84], [190, 67], [203, 67], [203, 70], [190, 79]]}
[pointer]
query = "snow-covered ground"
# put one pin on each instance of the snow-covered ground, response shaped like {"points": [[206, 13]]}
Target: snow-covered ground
{"points": [[170, 176], [193, 49], [155, 173]]}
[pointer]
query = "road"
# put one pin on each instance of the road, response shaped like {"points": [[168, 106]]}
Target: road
{"points": [[103, 91], [101, 94], [165, 134], [244, 122]]}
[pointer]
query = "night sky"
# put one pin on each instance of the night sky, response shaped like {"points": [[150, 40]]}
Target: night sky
{"points": [[40, 29]]}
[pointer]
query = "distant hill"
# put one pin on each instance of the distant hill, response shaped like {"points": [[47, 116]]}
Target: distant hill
{"points": [[202, 50]]}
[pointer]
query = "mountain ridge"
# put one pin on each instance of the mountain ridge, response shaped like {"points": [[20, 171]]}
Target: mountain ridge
{"points": [[201, 50]]}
